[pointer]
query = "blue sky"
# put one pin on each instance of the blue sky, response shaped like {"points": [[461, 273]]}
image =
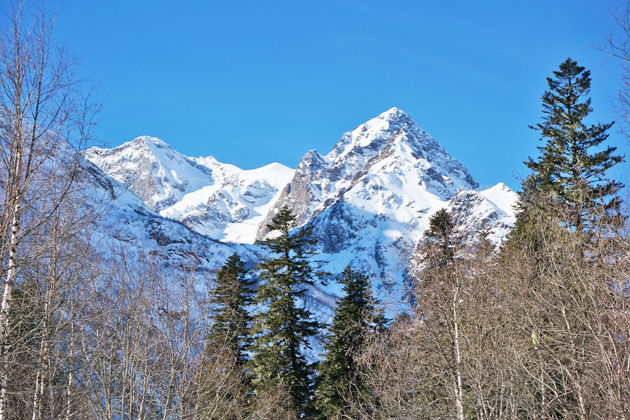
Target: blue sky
{"points": [[252, 82]]}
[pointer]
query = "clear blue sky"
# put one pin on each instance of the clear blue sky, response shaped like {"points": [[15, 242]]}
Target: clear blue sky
{"points": [[252, 82]]}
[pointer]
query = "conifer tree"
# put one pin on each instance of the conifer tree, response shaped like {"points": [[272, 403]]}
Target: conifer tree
{"points": [[571, 169], [567, 188], [355, 318], [440, 241], [225, 385], [229, 298], [284, 325]]}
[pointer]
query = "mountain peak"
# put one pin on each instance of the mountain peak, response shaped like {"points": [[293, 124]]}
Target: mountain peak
{"points": [[388, 121], [371, 137], [148, 141], [311, 161], [151, 169], [392, 114]]}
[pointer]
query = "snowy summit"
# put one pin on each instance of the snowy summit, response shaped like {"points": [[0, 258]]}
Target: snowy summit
{"points": [[369, 199]]}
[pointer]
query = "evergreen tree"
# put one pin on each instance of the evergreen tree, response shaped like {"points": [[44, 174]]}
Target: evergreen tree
{"points": [[355, 318], [571, 169], [284, 326], [225, 382], [440, 241], [436, 253], [567, 187], [229, 298]]}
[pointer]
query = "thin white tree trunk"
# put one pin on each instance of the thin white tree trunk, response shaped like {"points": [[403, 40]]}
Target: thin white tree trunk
{"points": [[14, 190], [459, 392], [43, 361], [5, 308], [68, 411]]}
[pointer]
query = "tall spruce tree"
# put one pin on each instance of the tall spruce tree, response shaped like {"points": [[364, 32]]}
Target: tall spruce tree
{"points": [[225, 382], [284, 325], [568, 188], [571, 169], [229, 298], [355, 319], [437, 252], [440, 241]]}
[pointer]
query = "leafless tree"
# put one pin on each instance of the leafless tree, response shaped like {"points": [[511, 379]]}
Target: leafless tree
{"points": [[542, 330], [43, 120], [619, 47]]}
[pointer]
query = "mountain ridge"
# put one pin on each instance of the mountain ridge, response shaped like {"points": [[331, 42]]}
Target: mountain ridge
{"points": [[368, 200]]}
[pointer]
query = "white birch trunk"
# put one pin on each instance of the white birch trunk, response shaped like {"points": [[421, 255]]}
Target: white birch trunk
{"points": [[459, 392], [5, 308]]}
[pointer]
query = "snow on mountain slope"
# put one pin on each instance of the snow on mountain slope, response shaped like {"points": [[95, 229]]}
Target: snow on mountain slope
{"points": [[234, 206], [394, 136], [215, 199], [388, 157], [125, 222], [148, 167], [492, 209], [502, 197], [370, 199]]}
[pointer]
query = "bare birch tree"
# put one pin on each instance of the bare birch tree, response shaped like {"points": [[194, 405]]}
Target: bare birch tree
{"points": [[619, 47], [42, 121]]}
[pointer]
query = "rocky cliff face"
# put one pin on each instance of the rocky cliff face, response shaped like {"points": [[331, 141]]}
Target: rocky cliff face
{"points": [[153, 171], [370, 199], [377, 157]]}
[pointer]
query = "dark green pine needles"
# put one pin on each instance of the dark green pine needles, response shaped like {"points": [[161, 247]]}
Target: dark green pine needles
{"points": [[284, 326], [355, 318], [440, 241], [571, 169], [225, 382], [229, 298]]}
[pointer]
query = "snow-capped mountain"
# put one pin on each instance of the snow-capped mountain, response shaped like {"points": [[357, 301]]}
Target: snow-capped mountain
{"points": [[234, 206], [388, 156], [153, 171], [124, 224], [215, 199], [369, 200]]}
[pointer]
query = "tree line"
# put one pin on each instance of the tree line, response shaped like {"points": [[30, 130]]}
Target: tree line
{"points": [[536, 327]]}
